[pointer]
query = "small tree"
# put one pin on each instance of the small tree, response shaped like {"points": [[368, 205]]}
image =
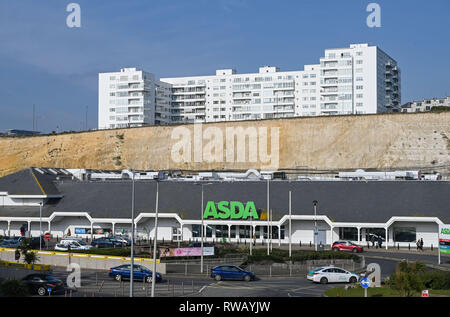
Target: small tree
{"points": [[406, 278], [29, 256], [13, 288]]}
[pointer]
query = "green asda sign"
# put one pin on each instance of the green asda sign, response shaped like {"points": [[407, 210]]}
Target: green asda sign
{"points": [[445, 231], [230, 210]]}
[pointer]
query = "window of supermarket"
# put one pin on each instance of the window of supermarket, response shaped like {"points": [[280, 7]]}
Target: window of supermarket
{"points": [[196, 231], [233, 232], [221, 231], [405, 234], [348, 233]]}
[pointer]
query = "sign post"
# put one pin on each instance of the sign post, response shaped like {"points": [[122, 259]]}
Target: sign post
{"points": [[47, 235], [444, 240], [365, 283]]}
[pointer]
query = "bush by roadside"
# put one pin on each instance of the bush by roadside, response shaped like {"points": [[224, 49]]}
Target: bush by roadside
{"points": [[13, 288]]}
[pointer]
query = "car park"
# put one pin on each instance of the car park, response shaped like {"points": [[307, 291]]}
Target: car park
{"points": [[231, 272], [344, 245], [331, 274], [40, 284], [140, 273]]}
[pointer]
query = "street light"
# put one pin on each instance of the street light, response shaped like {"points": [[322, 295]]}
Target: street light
{"points": [[40, 226], [268, 213], [315, 202], [132, 238], [155, 240], [201, 230]]}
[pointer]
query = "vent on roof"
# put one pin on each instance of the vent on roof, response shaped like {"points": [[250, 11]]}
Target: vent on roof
{"points": [[39, 170]]}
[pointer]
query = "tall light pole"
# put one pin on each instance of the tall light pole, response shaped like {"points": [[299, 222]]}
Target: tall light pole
{"points": [[202, 224], [315, 202], [201, 243], [155, 240], [268, 212], [290, 224], [40, 226], [132, 237]]}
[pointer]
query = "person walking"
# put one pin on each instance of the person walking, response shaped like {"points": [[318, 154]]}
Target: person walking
{"points": [[421, 244], [380, 242], [373, 241], [418, 244]]}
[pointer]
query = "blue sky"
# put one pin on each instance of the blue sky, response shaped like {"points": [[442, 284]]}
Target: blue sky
{"points": [[43, 62]]}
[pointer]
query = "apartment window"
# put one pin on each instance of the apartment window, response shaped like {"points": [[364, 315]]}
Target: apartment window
{"points": [[359, 70], [123, 78], [312, 76], [359, 95], [222, 80], [359, 61], [305, 76], [359, 87], [359, 53], [359, 79], [112, 78], [359, 104]]}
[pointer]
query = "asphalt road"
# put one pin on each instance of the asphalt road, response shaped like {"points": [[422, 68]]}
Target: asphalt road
{"points": [[98, 283]]}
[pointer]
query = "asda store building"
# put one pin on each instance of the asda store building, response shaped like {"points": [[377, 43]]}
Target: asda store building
{"points": [[401, 212]]}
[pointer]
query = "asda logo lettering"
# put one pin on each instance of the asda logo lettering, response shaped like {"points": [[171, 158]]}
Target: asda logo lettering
{"points": [[445, 231], [230, 210]]}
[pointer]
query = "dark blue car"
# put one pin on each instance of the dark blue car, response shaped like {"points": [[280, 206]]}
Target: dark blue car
{"points": [[140, 273], [231, 272]]}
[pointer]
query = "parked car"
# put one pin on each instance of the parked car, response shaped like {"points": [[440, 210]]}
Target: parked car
{"points": [[331, 274], [41, 283], [231, 272], [105, 243], [140, 273], [74, 245], [11, 244], [122, 240], [346, 246]]}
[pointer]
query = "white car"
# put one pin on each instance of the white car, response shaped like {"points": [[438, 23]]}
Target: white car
{"points": [[331, 274], [74, 245]]}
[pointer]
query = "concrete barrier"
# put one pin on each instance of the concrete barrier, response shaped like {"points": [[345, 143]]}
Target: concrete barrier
{"points": [[86, 261]]}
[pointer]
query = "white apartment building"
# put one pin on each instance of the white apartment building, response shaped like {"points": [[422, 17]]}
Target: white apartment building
{"points": [[426, 104], [360, 79]]}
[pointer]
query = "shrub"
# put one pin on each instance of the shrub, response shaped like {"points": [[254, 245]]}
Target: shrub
{"points": [[436, 279], [13, 288], [406, 278], [30, 257]]}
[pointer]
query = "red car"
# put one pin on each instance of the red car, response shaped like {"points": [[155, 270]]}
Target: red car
{"points": [[346, 246]]}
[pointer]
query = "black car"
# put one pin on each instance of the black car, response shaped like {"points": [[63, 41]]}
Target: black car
{"points": [[41, 284], [106, 243]]}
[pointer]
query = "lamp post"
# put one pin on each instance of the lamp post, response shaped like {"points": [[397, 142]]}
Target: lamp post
{"points": [[132, 237], [268, 212], [315, 202], [290, 224], [40, 226], [154, 241], [202, 224]]}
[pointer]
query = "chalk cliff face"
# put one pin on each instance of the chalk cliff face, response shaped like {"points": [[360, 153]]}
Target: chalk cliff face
{"points": [[336, 142]]}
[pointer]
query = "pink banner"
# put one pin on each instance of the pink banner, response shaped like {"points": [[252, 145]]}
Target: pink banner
{"points": [[186, 251]]}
